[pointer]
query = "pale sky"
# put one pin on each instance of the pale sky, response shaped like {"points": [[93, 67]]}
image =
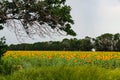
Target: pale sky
{"points": [[92, 18]]}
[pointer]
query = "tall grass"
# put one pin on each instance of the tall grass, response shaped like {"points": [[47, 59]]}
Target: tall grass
{"points": [[65, 73], [9, 65]]}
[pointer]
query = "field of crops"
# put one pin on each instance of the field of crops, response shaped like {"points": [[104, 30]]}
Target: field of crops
{"points": [[60, 65], [68, 55], [71, 58]]}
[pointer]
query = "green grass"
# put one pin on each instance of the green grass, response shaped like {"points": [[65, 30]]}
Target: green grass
{"points": [[10, 65], [24, 68], [64, 73]]}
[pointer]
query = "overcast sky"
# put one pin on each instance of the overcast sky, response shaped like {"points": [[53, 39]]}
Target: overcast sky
{"points": [[92, 18]]}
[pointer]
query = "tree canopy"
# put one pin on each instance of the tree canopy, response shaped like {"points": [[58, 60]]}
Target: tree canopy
{"points": [[41, 17], [108, 42]]}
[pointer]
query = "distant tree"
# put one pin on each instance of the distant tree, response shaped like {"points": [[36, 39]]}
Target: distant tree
{"points": [[104, 42], [66, 44], [74, 44], [12, 47], [41, 17], [40, 46], [118, 45], [86, 44], [116, 42], [55, 45]]}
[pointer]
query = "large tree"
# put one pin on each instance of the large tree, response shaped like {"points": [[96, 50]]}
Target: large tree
{"points": [[41, 17], [104, 42]]}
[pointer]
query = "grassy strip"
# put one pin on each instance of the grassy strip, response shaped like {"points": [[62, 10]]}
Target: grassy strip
{"points": [[10, 65], [65, 73]]}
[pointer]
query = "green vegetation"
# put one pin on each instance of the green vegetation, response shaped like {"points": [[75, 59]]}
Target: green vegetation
{"points": [[42, 17], [65, 45], [16, 61], [60, 66], [104, 42], [64, 73], [3, 46]]}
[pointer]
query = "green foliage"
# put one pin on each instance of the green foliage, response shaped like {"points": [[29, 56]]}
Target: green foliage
{"points": [[118, 45], [9, 65], [3, 46], [107, 42], [54, 13], [104, 42], [86, 44], [66, 44], [64, 73], [1, 22], [56, 68], [1, 27]]}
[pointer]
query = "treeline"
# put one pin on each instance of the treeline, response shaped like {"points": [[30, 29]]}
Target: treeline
{"points": [[65, 44], [104, 42]]}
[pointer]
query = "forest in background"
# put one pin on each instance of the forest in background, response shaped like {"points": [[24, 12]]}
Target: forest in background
{"points": [[104, 42]]}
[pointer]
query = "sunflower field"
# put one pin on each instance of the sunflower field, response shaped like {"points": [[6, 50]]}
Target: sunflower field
{"points": [[60, 65], [27, 59]]}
